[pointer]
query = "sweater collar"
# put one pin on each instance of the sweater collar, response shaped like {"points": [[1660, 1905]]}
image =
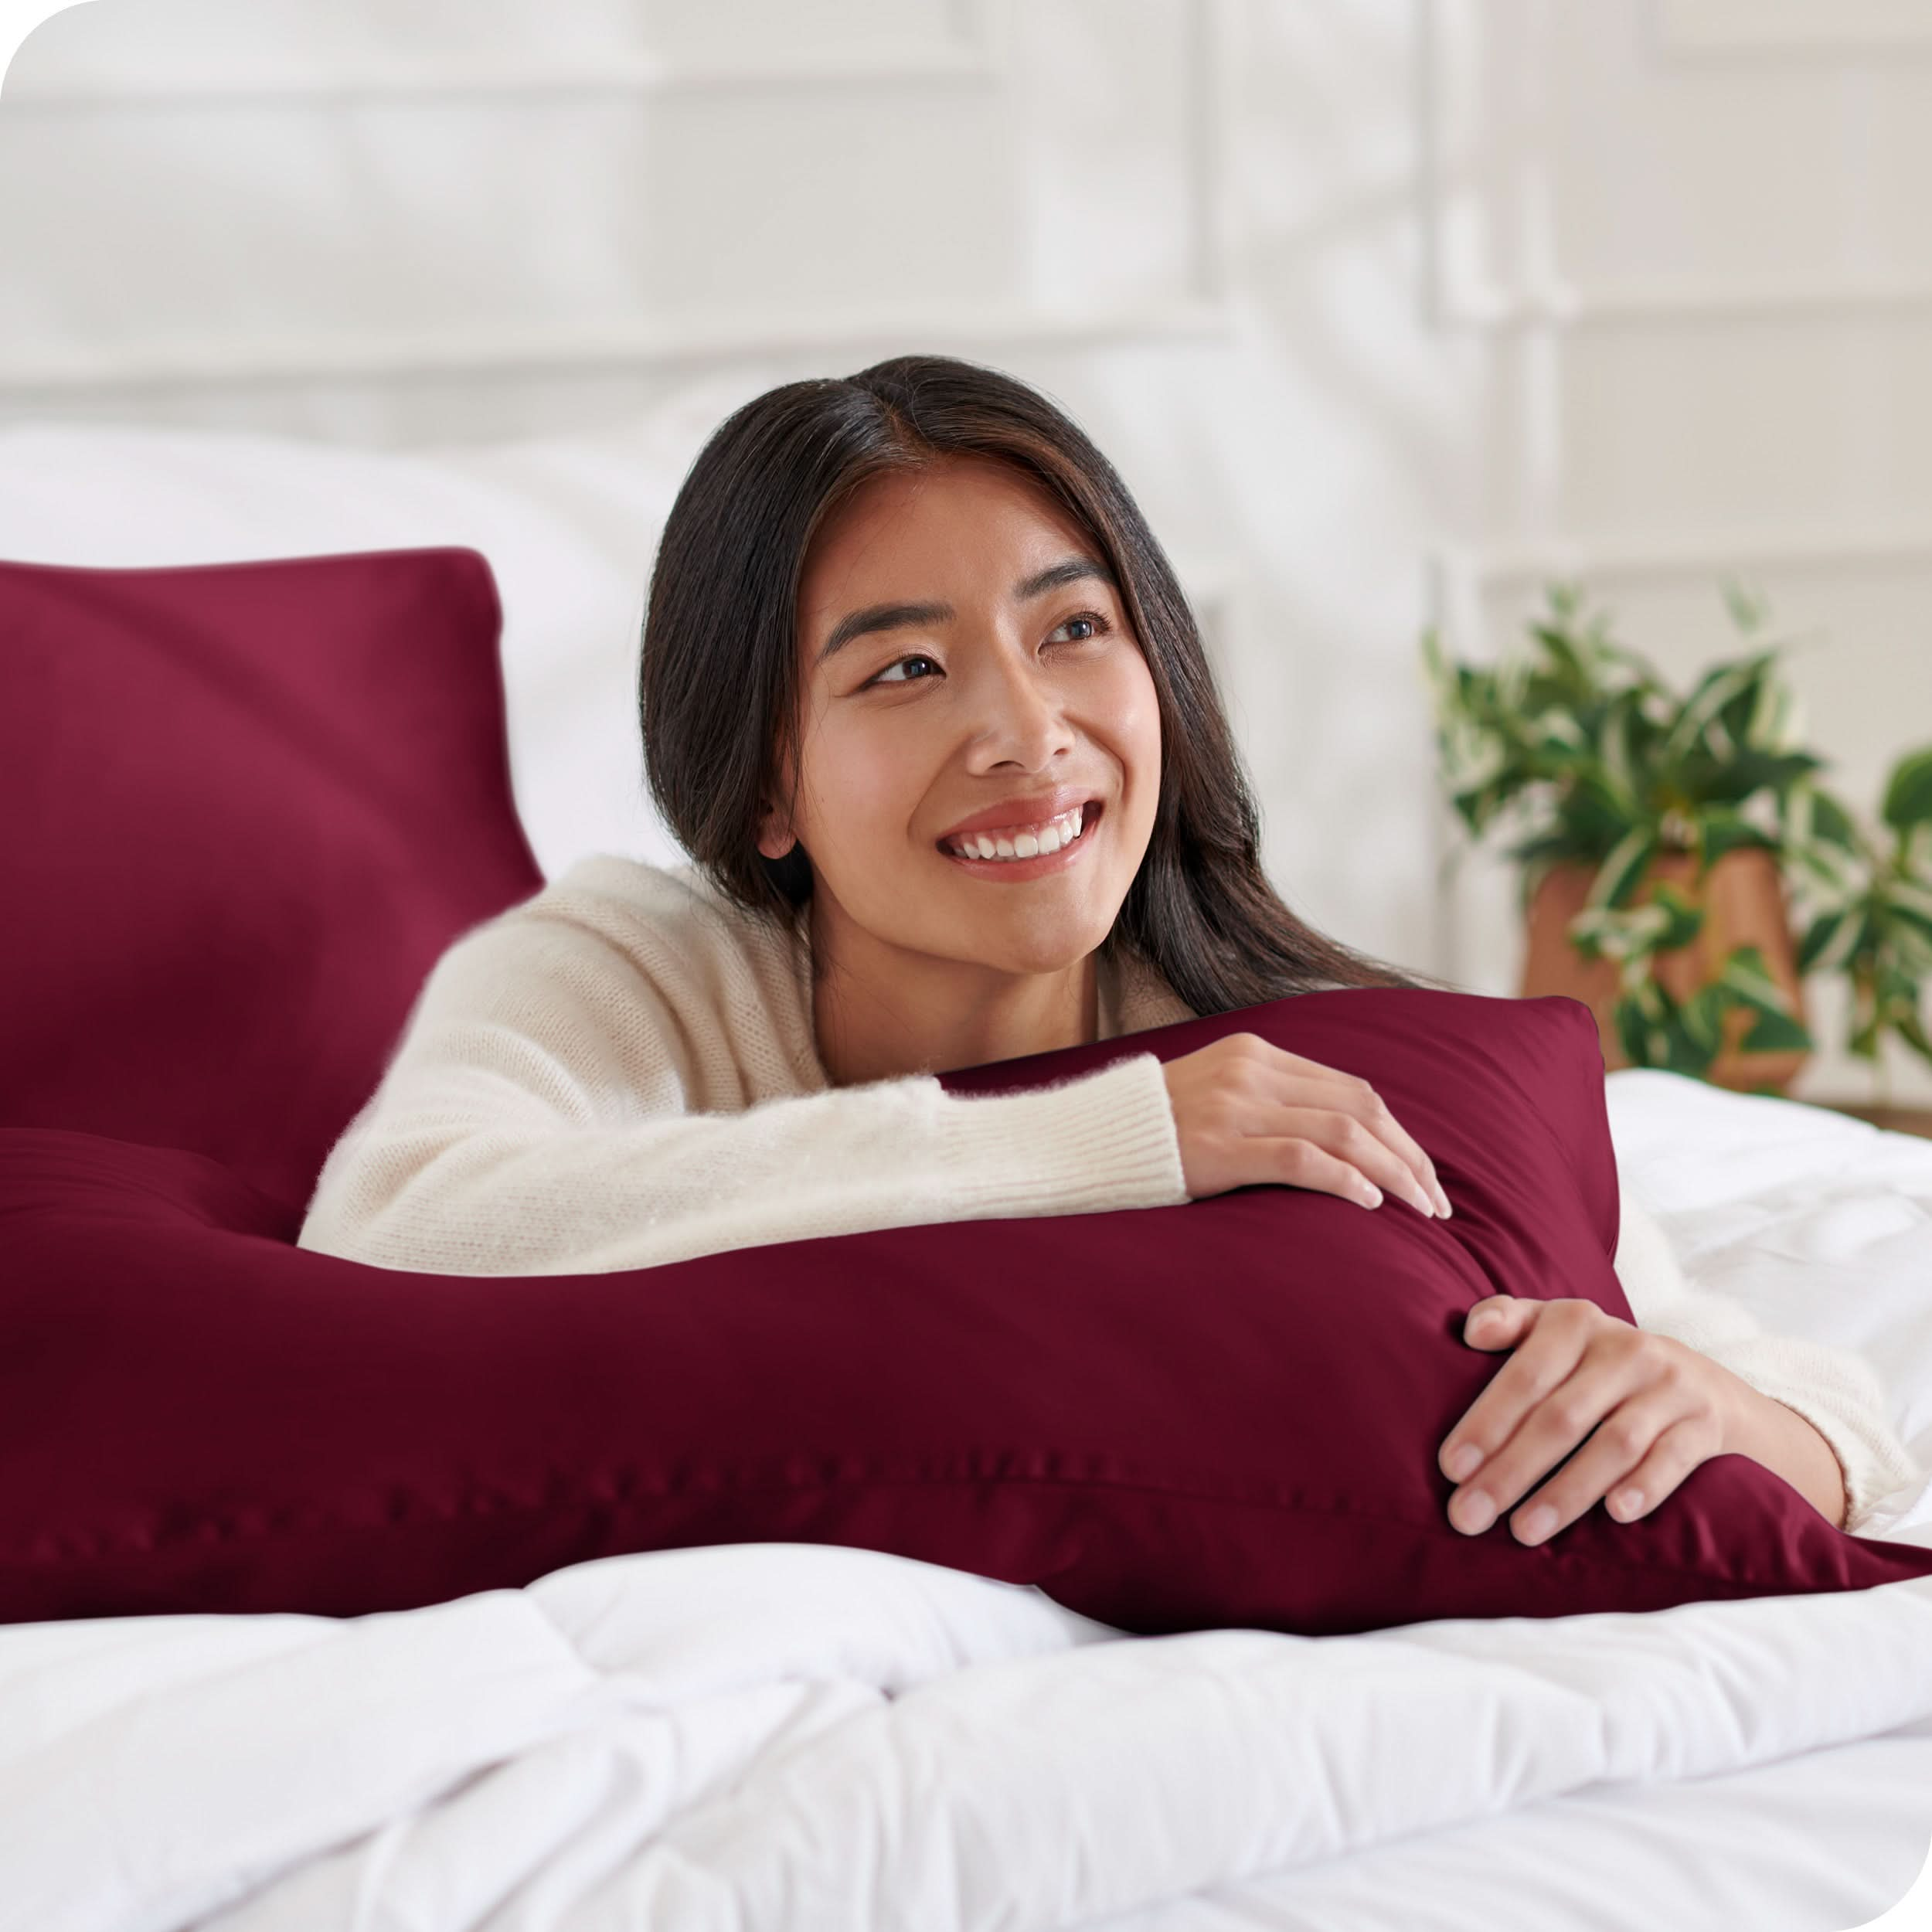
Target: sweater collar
{"points": [[1135, 996]]}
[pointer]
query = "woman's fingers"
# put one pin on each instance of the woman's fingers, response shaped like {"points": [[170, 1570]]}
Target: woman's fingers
{"points": [[1377, 1118], [1588, 1388], [1536, 1408], [1298, 1162], [1674, 1452], [1306, 1083], [1549, 1339], [1247, 1112], [1644, 1443], [1349, 1138]]}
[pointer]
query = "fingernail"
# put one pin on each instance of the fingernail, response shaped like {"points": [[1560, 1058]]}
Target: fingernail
{"points": [[1462, 1460], [1627, 1502], [1422, 1203], [1442, 1207], [1374, 1198], [1538, 1523], [1478, 1513]]}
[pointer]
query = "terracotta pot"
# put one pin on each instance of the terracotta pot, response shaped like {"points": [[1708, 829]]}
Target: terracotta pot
{"points": [[1744, 905]]}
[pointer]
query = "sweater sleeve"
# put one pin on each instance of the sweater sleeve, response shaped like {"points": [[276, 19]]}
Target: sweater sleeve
{"points": [[535, 1120], [1835, 1389]]}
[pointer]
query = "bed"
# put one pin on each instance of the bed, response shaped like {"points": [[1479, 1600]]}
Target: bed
{"points": [[765, 1736]]}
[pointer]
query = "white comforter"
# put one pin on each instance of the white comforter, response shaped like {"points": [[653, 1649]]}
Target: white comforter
{"points": [[777, 1735]]}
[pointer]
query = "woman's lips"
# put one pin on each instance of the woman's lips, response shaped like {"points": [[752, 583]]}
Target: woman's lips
{"points": [[1041, 863]]}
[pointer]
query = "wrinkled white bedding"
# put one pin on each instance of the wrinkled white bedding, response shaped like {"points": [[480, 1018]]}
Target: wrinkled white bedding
{"points": [[783, 1736]]}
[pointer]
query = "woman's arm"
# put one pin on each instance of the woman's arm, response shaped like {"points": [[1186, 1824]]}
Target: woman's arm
{"points": [[537, 1119], [1781, 1439], [1815, 1400]]}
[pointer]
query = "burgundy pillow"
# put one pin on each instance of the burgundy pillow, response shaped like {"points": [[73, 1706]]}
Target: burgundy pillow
{"points": [[1224, 1413], [248, 805]]}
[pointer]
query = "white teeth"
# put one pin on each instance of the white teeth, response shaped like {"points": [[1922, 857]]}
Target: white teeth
{"points": [[1051, 838]]}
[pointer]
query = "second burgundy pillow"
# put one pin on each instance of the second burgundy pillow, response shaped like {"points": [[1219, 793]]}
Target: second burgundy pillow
{"points": [[256, 802]]}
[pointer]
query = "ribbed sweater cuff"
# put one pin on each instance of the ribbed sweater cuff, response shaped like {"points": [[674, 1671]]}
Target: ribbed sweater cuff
{"points": [[1876, 1472], [1104, 1140]]}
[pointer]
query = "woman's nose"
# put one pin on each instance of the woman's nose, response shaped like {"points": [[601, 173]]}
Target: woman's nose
{"points": [[1016, 698]]}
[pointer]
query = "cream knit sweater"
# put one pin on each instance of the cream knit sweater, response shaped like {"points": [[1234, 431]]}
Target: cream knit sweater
{"points": [[622, 1071]]}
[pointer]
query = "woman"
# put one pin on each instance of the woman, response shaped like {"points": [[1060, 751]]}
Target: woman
{"points": [[922, 696]]}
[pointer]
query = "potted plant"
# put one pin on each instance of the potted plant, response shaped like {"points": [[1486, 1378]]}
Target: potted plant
{"points": [[1670, 843]]}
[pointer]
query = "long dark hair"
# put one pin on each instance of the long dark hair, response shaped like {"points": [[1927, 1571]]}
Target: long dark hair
{"points": [[718, 682]]}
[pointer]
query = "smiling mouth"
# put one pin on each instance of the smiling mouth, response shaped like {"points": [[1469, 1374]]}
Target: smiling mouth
{"points": [[1038, 862]]}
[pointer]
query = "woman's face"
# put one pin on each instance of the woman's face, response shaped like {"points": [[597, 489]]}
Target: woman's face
{"points": [[964, 653]]}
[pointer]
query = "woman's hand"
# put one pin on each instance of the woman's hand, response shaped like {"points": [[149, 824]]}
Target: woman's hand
{"points": [[1247, 1111], [1651, 1408]]}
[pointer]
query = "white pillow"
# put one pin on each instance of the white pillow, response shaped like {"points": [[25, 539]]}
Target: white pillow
{"points": [[569, 524]]}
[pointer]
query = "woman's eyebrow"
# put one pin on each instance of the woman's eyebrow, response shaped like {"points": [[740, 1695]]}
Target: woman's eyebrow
{"points": [[893, 617]]}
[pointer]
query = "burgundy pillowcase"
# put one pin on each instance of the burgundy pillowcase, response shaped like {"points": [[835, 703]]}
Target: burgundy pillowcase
{"points": [[250, 805], [1222, 1412]]}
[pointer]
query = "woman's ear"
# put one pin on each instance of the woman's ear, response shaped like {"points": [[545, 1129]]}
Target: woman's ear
{"points": [[776, 837], [774, 834]]}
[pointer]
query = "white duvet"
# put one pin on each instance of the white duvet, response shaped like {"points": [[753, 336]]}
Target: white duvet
{"points": [[764, 1736]]}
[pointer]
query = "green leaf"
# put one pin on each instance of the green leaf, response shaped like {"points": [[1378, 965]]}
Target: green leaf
{"points": [[1632, 1031], [1748, 976], [1552, 847], [1674, 1038], [1618, 932], [1702, 1016], [1649, 1024], [1598, 811], [1827, 939], [1716, 688], [1724, 831], [1618, 877], [1711, 780], [1911, 903], [1776, 1033], [1821, 841], [1912, 946], [1771, 724], [1871, 932], [1614, 738], [1571, 672], [1837, 871], [1685, 917], [1731, 729], [1749, 610], [1908, 794], [1865, 1040], [1685, 1055], [1831, 822], [1914, 1035]]}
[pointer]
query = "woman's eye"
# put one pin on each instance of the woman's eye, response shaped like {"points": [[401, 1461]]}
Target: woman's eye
{"points": [[885, 678], [1098, 626], [1093, 617]]}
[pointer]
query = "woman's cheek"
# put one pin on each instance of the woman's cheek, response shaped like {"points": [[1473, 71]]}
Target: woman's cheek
{"points": [[873, 777], [1131, 720]]}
